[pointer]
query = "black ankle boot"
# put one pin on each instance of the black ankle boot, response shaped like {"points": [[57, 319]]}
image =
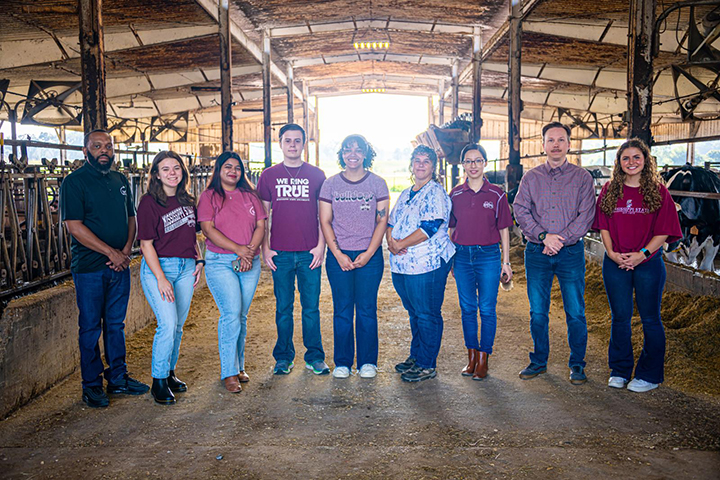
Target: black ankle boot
{"points": [[161, 391], [175, 384]]}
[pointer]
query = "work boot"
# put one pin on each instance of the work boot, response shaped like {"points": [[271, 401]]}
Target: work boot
{"points": [[482, 366], [176, 385], [161, 391], [472, 360]]}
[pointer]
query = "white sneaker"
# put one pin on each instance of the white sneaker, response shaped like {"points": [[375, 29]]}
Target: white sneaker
{"points": [[368, 371], [341, 372], [637, 385], [617, 382]]}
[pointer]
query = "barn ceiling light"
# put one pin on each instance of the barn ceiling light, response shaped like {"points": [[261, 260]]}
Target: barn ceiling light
{"points": [[371, 45], [373, 90]]}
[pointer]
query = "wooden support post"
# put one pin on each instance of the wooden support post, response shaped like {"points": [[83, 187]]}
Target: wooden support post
{"points": [[267, 96], [640, 68], [455, 90], [441, 103], [431, 112], [62, 137], [317, 134], [226, 100], [290, 95], [477, 86], [455, 170], [92, 61], [514, 168], [306, 119]]}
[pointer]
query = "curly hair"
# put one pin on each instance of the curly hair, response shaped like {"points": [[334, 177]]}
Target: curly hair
{"points": [[363, 144], [431, 154], [650, 180], [155, 187]]}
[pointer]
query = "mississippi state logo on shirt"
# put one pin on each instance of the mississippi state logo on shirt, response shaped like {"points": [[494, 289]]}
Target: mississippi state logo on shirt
{"points": [[628, 209]]}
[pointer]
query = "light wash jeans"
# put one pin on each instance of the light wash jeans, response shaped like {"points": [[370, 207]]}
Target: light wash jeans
{"points": [[233, 293], [170, 316]]}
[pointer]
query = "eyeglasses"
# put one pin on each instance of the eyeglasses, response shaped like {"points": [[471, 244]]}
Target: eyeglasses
{"points": [[473, 162]]}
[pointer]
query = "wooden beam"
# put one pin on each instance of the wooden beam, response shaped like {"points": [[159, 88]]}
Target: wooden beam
{"points": [[290, 96], [93, 65], [640, 68], [306, 119], [514, 172], [226, 101]]}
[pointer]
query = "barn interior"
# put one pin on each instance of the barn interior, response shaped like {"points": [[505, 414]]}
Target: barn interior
{"points": [[206, 76]]}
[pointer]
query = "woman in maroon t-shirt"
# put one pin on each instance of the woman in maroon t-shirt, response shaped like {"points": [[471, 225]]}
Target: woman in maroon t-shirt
{"points": [[171, 264], [635, 215]]}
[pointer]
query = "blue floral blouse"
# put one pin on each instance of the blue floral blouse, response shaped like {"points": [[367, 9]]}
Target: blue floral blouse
{"points": [[431, 202]]}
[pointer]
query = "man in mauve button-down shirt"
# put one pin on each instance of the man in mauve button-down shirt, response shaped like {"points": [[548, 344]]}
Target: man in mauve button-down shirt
{"points": [[554, 207]]}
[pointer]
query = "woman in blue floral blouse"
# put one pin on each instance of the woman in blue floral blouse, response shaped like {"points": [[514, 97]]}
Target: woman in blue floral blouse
{"points": [[420, 254]]}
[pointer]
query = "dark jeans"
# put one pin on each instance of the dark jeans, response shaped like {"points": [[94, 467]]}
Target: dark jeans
{"points": [[422, 296], [355, 294], [569, 267], [290, 265], [647, 280], [102, 299], [477, 276]]}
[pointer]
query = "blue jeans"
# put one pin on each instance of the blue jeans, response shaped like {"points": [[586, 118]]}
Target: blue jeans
{"points": [[477, 275], [289, 265], [647, 280], [170, 316], [355, 294], [233, 293], [569, 267], [102, 299], [422, 296]]}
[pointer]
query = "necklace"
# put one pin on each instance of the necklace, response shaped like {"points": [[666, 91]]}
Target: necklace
{"points": [[296, 174]]}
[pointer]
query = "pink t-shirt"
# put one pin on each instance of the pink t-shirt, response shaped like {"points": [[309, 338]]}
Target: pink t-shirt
{"points": [[631, 225], [293, 193], [235, 217]]}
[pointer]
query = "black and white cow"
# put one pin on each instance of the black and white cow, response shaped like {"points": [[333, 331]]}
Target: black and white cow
{"points": [[699, 217]]}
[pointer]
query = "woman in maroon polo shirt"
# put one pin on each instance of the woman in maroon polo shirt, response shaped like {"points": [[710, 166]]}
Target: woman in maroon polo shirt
{"points": [[479, 223], [635, 215]]}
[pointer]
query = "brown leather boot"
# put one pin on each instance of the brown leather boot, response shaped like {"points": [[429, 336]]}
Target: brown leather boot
{"points": [[481, 367], [472, 360]]}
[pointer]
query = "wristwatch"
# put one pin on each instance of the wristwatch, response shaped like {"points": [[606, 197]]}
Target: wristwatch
{"points": [[646, 252], [542, 236]]}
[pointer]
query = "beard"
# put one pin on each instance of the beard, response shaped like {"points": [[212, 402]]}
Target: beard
{"points": [[104, 168]]}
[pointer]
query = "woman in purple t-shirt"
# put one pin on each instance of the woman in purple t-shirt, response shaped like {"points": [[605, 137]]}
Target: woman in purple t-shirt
{"points": [[233, 220], [636, 216], [171, 264], [353, 218]]}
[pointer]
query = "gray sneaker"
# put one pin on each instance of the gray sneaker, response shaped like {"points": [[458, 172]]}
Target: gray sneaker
{"points": [[283, 367], [318, 367]]}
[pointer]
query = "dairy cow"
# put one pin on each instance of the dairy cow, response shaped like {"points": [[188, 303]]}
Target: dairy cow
{"points": [[699, 217]]}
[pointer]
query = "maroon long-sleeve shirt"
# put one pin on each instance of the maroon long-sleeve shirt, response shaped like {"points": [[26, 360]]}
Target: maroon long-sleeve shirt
{"points": [[557, 200]]}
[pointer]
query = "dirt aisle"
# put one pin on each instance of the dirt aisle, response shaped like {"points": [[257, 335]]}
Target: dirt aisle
{"points": [[305, 426]]}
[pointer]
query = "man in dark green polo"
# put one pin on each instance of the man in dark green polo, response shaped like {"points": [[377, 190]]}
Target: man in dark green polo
{"points": [[98, 211]]}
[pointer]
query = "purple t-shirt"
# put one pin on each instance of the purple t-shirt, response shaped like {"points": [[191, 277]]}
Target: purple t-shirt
{"points": [[354, 207], [235, 217], [478, 217], [293, 194], [172, 228]]}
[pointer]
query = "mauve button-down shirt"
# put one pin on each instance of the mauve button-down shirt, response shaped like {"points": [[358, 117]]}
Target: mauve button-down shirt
{"points": [[557, 200]]}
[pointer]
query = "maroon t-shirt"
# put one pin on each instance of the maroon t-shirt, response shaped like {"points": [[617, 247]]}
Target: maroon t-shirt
{"points": [[293, 193], [631, 225], [172, 227], [478, 217]]}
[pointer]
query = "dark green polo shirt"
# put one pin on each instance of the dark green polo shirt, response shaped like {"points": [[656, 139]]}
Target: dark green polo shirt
{"points": [[103, 204]]}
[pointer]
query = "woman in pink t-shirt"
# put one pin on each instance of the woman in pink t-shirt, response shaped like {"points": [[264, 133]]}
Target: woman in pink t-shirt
{"points": [[171, 265], [635, 215], [233, 220]]}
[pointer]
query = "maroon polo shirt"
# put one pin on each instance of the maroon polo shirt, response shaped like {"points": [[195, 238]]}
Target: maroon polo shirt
{"points": [[478, 217]]}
